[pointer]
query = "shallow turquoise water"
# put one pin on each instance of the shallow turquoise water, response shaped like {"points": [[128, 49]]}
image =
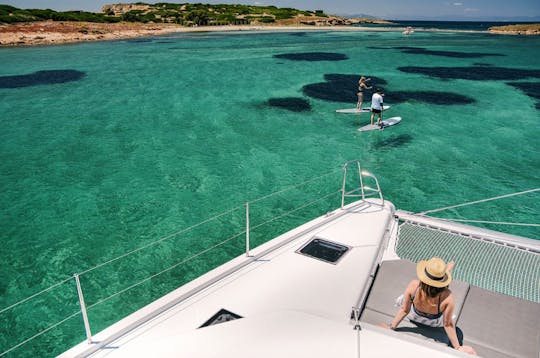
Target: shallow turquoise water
{"points": [[145, 138]]}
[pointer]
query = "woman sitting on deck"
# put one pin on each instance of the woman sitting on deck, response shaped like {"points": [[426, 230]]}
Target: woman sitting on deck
{"points": [[431, 300]]}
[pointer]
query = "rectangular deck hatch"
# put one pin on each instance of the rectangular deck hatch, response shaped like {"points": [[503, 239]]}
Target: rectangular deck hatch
{"points": [[324, 250]]}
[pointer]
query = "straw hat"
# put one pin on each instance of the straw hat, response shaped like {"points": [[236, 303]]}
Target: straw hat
{"points": [[433, 272]]}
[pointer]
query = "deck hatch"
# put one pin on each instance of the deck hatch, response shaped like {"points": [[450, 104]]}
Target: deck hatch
{"points": [[221, 316], [324, 250]]}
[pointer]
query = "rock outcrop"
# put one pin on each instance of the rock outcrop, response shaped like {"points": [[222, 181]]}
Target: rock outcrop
{"points": [[120, 9], [521, 29]]}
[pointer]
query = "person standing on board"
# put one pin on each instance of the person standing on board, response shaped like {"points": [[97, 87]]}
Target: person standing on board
{"points": [[377, 106], [361, 87], [428, 300]]}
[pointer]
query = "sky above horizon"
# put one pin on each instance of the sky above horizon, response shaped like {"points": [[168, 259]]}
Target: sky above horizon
{"points": [[387, 9]]}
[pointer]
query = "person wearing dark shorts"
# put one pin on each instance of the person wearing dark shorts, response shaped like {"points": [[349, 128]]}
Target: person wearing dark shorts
{"points": [[377, 106]]}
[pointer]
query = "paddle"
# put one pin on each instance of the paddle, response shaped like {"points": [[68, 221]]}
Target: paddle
{"points": [[382, 111]]}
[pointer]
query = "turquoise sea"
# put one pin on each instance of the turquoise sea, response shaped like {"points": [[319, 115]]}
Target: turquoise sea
{"points": [[107, 147]]}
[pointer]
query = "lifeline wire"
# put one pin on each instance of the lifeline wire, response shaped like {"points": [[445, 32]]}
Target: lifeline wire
{"points": [[477, 201]]}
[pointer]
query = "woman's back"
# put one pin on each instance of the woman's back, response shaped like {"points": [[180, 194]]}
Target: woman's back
{"points": [[423, 303]]}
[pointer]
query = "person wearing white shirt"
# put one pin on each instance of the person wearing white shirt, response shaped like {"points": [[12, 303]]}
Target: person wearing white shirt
{"points": [[377, 106]]}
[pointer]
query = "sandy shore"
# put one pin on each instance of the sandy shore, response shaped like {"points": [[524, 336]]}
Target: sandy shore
{"points": [[61, 32], [52, 32]]}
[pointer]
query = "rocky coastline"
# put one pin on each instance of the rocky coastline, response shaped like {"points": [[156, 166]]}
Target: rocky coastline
{"points": [[62, 32], [522, 29]]}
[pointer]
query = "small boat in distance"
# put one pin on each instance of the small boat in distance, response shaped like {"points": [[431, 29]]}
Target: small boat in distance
{"points": [[408, 31]]}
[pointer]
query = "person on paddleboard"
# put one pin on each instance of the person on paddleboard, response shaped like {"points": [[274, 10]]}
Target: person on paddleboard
{"points": [[377, 106], [362, 85]]}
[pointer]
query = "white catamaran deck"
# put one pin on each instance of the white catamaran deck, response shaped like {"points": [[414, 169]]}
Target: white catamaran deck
{"points": [[277, 302], [323, 288], [272, 286]]}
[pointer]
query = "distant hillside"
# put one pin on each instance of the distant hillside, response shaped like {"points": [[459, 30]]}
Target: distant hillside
{"points": [[357, 16], [11, 14], [183, 14], [367, 20], [205, 14]]}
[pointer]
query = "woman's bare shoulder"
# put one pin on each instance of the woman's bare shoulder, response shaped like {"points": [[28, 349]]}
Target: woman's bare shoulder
{"points": [[447, 296], [412, 285]]}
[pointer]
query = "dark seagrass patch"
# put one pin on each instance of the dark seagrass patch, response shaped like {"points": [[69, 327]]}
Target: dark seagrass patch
{"points": [[298, 34], [431, 97], [41, 78], [531, 89], [340, 88], [475, 73], [453, 54], [294, 104], [312, 56]]}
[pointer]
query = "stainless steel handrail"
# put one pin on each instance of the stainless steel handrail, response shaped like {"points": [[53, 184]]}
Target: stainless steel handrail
{"points": [[365, 191]]}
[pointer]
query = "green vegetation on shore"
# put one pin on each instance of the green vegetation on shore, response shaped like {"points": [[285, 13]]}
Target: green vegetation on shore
{"points": [[184, 14], [10, 14]]}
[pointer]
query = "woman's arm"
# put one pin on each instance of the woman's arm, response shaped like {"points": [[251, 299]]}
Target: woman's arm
{"points": [[450, 328], [364, 86], [405, 306]]}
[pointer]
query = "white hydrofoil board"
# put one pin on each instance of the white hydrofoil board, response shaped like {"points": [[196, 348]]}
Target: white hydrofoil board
{"points": [[386, 123], [356, 110]]}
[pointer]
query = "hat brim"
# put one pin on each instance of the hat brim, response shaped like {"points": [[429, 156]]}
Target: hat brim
{"points": [[422, 276]]}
